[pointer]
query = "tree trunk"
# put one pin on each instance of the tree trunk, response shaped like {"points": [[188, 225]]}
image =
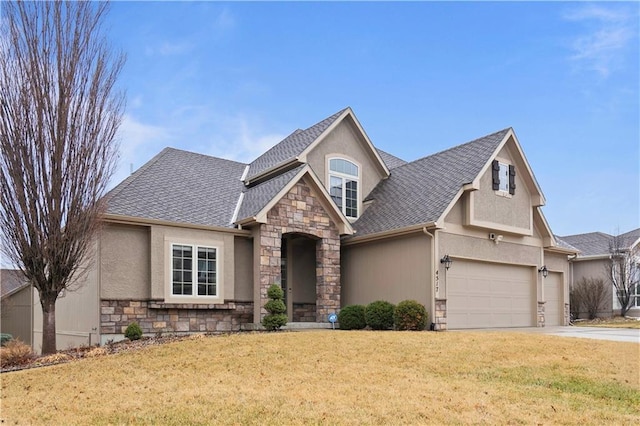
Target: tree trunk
{"points": [[48, 325]]}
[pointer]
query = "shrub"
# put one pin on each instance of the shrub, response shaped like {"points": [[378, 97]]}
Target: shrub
{"points": [[275, 292], [379, 315], [4, 338], [133, 331], [352, 318], [589, 294], [15, 352], [410, 315], [276, 317]]}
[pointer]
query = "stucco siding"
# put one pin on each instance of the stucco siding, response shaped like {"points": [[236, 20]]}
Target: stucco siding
{"points": [[124, 269], [392, 270], [243, 249], [161, 239], [559, 263], [485, 249], [491, 206], [343, 140]]}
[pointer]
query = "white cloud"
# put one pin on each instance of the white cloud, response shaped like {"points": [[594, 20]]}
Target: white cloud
{"points": [[167, 48], [607, 33]]}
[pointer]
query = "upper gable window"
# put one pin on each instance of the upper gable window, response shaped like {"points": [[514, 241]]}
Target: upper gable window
{"points": [[504, 177], [344, 177]]}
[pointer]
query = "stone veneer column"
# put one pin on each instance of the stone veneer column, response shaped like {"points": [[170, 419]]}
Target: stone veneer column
{"points": [[270, 256], [540, 316], [440, 315], [301, 212], [327, 275]]}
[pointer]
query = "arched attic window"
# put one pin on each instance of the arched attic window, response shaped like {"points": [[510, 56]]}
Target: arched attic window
{"points": [[344, 178]]}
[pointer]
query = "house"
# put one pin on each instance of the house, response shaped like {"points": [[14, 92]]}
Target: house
{"points": [[592, 262], [16, 307], [192, 242]]}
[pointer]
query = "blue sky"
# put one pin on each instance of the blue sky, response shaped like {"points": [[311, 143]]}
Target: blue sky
{"points": [[233, 79]]}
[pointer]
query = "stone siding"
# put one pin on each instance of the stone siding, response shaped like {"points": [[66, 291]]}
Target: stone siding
{"points": [[440, 316], [304, 312], [158, 317], [540, 316], [300, 211]]}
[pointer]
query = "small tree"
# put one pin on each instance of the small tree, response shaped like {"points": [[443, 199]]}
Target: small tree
{"points": [[589, 294], [624, 271], [276, 317]]}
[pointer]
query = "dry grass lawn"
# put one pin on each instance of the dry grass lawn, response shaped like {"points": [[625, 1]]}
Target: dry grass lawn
{"points": [[339, 377], [616, 322]]}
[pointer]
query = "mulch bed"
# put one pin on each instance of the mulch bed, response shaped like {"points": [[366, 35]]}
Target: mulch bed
{"points": [[75, 354]]}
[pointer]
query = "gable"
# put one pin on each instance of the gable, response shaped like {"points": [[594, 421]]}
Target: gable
{"points": [[504, 203], [256, 202], [345, 141]]}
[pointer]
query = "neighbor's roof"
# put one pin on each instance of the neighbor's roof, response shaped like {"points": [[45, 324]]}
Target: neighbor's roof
{"points": [[11, 280], [420, 191], [599, 243], [590, 244], [183, 187], [563, 244], [290, 147]]}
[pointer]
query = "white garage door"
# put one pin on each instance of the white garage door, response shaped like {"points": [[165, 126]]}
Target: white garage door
{"points": [[482, 295], [554, 307]]}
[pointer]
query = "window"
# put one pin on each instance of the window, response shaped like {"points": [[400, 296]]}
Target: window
{"points": [[194, 276], [635, 297], [343, 185], [504, 177]]}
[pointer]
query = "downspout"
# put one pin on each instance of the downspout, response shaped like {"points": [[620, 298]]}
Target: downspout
{"points": [[432, 301]]}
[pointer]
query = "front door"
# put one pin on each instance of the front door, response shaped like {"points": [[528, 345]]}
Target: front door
{"points": [[285, 276]]}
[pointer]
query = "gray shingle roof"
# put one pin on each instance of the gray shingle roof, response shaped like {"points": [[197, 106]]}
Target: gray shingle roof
{"points": [[562, 243], [257, 197], [599, 243], [590, 244], [180, 186], [420, 191], [390, 160], [11, 280], [290, 147]]}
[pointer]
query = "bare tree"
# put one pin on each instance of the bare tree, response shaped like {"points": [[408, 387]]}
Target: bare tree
{"points": [[624, 271], [60, 112], [588, 294]]}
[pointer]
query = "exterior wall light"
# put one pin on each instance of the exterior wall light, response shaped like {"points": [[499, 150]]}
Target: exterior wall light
{"points": [[447, 261], [544, 271]]}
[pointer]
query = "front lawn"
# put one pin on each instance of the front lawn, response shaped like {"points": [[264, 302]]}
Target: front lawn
{"points": [[615, 322], [338, 377]]}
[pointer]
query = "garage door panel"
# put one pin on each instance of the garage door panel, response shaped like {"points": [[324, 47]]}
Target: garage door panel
{"points": [[490, 295], [554, 306]]}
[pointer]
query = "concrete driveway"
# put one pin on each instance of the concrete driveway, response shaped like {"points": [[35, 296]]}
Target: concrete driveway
{"points": [[599, 333]]}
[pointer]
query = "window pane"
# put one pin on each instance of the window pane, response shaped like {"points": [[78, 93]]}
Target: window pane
{"points": [[335, 190], [343, 166], [504, 177], [351, 198]]}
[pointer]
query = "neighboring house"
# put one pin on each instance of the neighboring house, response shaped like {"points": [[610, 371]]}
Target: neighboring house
{"points": [[192, 242], [592, 260], [16, 308]]}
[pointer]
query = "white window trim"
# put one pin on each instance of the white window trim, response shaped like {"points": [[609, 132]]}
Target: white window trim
{"points": [[502, 192], [330, 173], [193, 299]]}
